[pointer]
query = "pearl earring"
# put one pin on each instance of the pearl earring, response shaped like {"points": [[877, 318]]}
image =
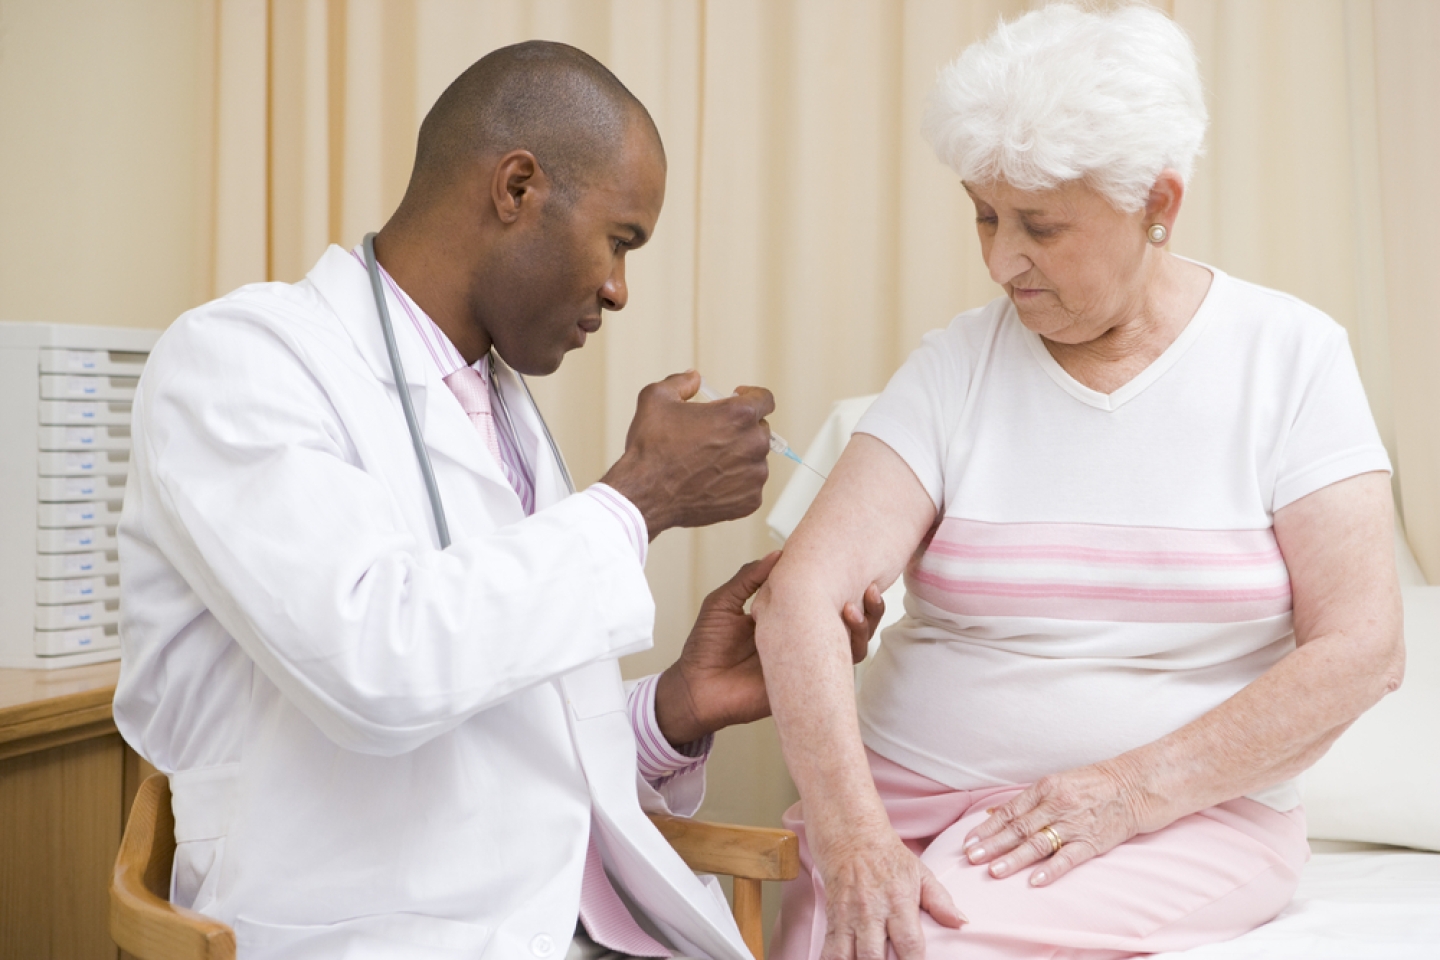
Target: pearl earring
{"points": [[1157, 233]]}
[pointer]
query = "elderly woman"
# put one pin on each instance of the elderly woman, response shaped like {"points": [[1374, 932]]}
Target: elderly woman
{"points": [[1144, 520]]}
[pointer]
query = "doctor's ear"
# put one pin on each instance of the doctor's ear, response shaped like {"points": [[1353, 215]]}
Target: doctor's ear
{"points": [[518, 183]]}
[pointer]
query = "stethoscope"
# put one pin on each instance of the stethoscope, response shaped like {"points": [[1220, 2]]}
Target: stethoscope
{"points": [[422, 456]]}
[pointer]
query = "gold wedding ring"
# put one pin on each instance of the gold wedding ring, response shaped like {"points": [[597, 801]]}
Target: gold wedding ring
{"points": [[1055, 842]]}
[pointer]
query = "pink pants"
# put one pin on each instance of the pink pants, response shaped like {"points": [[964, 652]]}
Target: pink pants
{"points": [[1207, 877]]}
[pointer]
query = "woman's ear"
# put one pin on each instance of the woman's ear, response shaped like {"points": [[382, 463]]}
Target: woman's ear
{"points": [[1163, 204]]}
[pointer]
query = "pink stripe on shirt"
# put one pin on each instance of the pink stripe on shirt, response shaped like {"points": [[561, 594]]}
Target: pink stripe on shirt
{"points": [[1099, 572], [1086, 555], [657, 760], [627, 513]]}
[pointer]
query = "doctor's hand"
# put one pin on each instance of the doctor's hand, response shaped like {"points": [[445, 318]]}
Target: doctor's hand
{"points": [[693, 464], [718, 681]]}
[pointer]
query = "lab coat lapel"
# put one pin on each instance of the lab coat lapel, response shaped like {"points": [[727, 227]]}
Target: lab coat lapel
{"points": [[448, 432], [635, 853]]}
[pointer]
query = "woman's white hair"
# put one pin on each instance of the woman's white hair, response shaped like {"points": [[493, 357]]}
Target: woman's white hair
{"points": [[1062, 93]]}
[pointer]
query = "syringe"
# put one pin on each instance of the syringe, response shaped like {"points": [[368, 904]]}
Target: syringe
{"points": [[777, 442]]}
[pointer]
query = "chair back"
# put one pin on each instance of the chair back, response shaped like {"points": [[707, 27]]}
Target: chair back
{"points": [[143, 922], [146, 925]]}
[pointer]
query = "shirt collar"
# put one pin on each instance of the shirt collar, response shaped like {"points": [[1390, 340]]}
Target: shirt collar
{"points": [[437, 346]]}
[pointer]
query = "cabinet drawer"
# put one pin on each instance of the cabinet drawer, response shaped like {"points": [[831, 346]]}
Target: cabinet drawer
{"points": [[59, 566], [75, 539], [85, 438], [86, 412], [69, 616], [58, 643], [70, 360], [61, 489], [77, 589], [94, 513], [60, 387], [101, 463]]}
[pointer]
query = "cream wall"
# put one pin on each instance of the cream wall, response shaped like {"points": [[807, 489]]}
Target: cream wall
{"points": [[157, 152], [104, 168]]}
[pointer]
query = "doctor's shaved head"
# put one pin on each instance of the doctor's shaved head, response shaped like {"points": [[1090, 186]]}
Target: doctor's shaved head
{"points": [[557, 102], [536, 172]]}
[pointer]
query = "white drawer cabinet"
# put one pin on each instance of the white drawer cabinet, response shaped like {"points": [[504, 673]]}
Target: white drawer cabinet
{"points": [[65, 399]]}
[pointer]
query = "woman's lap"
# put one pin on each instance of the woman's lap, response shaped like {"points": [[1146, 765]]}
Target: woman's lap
{"points": [[1207, 877]]}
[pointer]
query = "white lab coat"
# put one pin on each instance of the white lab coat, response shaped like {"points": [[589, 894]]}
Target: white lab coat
{"points": [[378, 749]]}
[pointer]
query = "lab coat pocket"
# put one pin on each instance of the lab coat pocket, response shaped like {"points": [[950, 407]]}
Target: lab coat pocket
{"points": [[594, 690], [196, 876], [396, 936]]}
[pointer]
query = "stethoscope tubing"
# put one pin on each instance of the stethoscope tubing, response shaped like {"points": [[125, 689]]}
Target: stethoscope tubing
{"points": [[422, 456]]}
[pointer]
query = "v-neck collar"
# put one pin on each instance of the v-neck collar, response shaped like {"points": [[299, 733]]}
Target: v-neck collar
{"points": [[1137, 384]]}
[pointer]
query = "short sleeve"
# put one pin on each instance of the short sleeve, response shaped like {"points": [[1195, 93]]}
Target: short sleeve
{"points": [[910, 415], [1333, 435]]}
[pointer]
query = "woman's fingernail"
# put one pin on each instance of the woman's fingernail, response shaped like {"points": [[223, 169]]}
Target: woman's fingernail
{"points": [[970, 842], [1037, 878], [976, 854], [999, 868], [963, 918]]}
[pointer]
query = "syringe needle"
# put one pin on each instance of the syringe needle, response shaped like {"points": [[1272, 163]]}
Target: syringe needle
{"points": [[811, 469], [778, 445], [777, 442]]}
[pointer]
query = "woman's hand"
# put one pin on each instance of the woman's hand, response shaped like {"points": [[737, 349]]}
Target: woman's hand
{"points": [[1085, 811], [875, 889]]}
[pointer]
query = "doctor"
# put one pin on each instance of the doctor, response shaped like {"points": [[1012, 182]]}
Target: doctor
{"points": [[377, 747]]}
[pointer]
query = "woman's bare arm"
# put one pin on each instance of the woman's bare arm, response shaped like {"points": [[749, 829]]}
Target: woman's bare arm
{"points": [[862, 528], [1338, 544]]}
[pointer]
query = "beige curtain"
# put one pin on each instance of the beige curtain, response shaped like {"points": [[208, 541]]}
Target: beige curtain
{"points": [[808, 238]]}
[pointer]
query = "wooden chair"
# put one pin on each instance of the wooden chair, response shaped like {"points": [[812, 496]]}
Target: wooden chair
{"points": [[146, 925]]}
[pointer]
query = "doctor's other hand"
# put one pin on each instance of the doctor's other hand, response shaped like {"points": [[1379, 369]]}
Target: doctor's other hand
{"points": [[693, 464], [718, 681]]}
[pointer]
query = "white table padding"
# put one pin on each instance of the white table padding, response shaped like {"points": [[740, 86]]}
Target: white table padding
{"points": [[1380, 782], [1350, 906]]}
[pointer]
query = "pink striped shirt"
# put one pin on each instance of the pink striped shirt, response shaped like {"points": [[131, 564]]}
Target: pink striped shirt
{"points": [[656, 759]]}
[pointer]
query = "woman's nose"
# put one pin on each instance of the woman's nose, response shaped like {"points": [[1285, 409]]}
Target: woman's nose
{"points": [[1006, 258]]}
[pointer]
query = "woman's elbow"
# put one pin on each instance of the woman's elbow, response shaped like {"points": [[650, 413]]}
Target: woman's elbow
{"points": [[1386, 661], [789, 605], [1393, 675]]}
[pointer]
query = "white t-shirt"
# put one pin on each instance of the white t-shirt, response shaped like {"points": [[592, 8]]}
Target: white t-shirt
{"points": [[1104, 569]]}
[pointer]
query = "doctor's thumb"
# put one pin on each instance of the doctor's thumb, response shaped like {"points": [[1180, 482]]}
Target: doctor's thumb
{"points": [[682, 386], [750, 578]]}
